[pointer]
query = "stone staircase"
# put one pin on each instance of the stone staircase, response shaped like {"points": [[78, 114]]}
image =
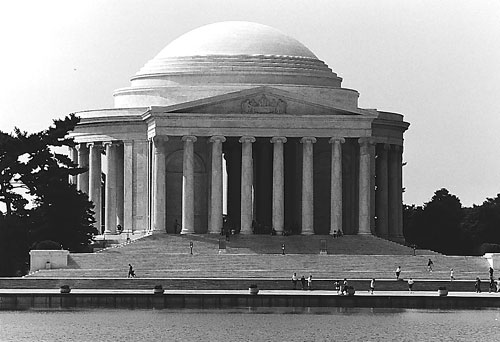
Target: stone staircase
{"points": [[260, 257]]}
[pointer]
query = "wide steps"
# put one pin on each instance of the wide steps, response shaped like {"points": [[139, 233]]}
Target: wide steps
{"points": [[260, 256]]}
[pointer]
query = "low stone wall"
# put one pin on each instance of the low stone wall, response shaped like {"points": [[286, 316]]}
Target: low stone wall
{"points": [[47, 259], [227, 284], [493, 259], [224, 301]]}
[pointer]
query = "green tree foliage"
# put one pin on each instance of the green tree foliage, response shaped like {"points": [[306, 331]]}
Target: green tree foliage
{"points": [[30, 162]]}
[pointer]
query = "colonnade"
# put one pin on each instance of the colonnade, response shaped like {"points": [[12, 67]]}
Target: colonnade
{"points": [[382, 181]]}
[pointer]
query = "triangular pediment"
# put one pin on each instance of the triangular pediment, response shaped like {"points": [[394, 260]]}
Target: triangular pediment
{"points": [[260, 100]]}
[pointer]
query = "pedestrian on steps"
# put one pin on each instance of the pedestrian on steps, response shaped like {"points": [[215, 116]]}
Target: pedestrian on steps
{"points": [[372, 285], [452, 277], [429, 265], [295, 279], [131, 272], [310, 282], [303, 282], [398, 272], [410, 285]]}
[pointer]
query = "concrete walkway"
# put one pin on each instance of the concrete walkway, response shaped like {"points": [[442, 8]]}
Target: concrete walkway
{"points": [[243, 292]]}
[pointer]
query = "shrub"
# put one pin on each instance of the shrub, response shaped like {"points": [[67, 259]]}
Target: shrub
{"points": [[489, 248], [47, 245]]}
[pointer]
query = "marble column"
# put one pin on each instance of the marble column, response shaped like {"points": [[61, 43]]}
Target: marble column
{"points": [[188, 185], [73, 155], [246, 184], [278, 185], [336, 185], [395, 193], [307, 186], [95, 191], [382, 193], [83, 161], [159, 185], [128, 185], [216, 186], [400, 193], [110, 199], [364, 186], [119, 185]]}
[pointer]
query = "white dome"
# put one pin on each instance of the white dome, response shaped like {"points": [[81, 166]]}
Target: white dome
{"points": [[233, 38], [225, 57]]}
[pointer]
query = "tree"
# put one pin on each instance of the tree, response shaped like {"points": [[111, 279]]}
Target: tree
{"points": [[436, 225], [31, 162], [481, 223]]}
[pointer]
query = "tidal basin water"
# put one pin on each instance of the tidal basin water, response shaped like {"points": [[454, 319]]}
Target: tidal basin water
{"points": [[247, 324]]}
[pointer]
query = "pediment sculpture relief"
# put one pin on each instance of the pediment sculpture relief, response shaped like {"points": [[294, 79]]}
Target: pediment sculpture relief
{"points": [[263, 104]]}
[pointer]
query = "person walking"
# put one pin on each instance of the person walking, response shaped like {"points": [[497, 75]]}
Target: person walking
{"points": [[309, 282], [303, 282], [398, 272], [498, 285], [372, 285], [477, 285], [295, 279], [410, 285], [344, 286], [491, 272], [452, 277], [337, 286], [492, 287], [131, 272], [429, 265]]}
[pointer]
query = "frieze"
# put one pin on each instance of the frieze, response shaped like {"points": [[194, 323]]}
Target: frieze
{"points": [[263, 104]]}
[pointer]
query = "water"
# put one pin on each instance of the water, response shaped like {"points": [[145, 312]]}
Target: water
{"points": [[262, 324]]}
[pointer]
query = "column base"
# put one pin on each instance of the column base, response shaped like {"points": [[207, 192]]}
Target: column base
{"points": [[184, 232], [397, 239], [157, 232], [307, 233], [364, 233]]}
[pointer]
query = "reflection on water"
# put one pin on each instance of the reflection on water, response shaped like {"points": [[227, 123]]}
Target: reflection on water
{"points": [[251, 324]]}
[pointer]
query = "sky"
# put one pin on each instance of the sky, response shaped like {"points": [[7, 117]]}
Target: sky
{"points": [[435, 62]]}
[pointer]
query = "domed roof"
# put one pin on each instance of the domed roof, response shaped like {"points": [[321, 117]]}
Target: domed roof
{"points": [[235, 52], [232, 38]]}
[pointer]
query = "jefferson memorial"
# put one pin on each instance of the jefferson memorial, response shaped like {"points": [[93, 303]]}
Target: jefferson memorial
{"points": [[237, 123]]}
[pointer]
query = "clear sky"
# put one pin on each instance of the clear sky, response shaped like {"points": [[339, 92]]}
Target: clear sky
{"points": [[436, 62]]}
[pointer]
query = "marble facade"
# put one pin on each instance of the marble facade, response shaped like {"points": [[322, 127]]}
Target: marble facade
{"points": [[268, 117]]}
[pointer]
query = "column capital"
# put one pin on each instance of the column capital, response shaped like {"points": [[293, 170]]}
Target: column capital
{"points": [[308, 140], [81, 146], [97, 145], [111, 143], [159, 143], [366, 141], [159, 139], [333, 140], [386, 147], [217, 138], [247, 138], [191, 138], [397, 148], [278, 140]]}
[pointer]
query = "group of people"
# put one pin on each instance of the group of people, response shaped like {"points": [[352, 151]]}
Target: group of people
{"points": [[493, 286], [306, 283]]}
